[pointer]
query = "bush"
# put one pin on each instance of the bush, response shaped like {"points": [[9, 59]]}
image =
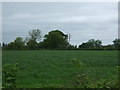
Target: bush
{"points": [[9, 75], [82, 80]]}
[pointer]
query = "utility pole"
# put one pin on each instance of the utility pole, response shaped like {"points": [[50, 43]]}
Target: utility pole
{"points": [[69, 37]]}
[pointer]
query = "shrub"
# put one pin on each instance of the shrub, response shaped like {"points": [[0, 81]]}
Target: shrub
{"points": [[81, 79], [9, 75], [79, 64]]}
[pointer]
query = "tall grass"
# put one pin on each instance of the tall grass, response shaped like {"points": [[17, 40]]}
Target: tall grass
{"points": [[47, 68]]}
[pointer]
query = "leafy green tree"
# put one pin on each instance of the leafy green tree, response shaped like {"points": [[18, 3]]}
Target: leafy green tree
{"points": [[98, 43], [75, 46], [55, 39], [10, 46], [32, 44], [116, 43], [17, 44], [4, 46], [71, 47], [83, 45], [34, 35], [92, 43], [41, 45], [31, 40]]}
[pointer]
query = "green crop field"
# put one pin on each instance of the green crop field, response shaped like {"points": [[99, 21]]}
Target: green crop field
{"points": [[55, 68]]}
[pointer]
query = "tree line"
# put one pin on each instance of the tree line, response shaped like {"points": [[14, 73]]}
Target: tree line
{"points": [[55, 40]]}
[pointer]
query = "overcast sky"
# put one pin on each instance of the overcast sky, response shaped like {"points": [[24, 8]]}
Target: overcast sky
{"points": [[82, 20]]}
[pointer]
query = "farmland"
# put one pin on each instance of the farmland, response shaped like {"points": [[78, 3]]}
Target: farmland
{"points": [[55, 68]]}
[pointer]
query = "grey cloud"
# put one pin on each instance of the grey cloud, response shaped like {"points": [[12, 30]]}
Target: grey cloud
{"points": [[83, 20]]}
